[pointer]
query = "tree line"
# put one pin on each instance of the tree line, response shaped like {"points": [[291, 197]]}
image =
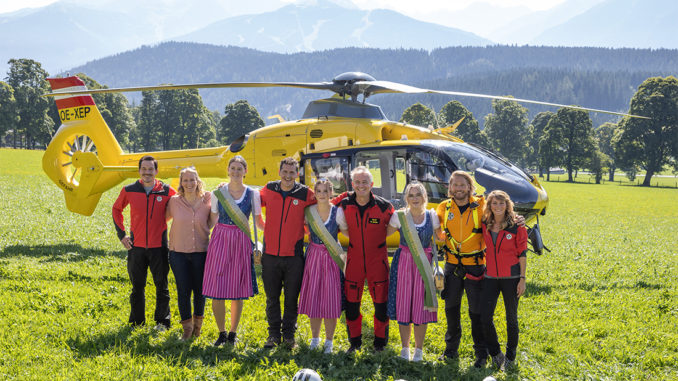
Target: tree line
{"points": [[178, 119]]}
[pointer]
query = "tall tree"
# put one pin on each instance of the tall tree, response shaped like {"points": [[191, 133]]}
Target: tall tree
{"points": [[239, 119], [571, 132], [8, 110], [148, 132], [605, 138], [419, 115], [650, 143], [468, 130], [598, 164], [28, 79], [534, 134], [506, 129]]}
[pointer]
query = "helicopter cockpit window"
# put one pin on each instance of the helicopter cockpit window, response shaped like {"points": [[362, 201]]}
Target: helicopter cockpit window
{"points": [[470, 159], [334, 169], [345, 109], [430, 170]]}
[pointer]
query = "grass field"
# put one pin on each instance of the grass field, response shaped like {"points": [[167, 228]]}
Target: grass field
{"points": [[602, 305]]}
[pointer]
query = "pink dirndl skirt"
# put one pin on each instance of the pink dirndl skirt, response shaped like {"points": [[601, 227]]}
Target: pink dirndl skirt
{"points": [[410, 292], [320, 295], [228, 267]]}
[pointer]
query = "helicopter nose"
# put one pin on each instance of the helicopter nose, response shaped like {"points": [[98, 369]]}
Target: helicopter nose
{"points": [[521, 191]]}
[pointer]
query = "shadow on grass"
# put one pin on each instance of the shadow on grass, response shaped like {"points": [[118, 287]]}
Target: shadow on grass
{"points": [[366, 364], [532, 288], [641, 284], [58, 253]]}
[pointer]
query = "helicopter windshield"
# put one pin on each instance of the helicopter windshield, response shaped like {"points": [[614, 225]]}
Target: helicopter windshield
{"points": [[346, 109]]}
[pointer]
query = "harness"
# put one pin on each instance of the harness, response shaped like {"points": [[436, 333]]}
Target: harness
{"points": [[456, 246]]}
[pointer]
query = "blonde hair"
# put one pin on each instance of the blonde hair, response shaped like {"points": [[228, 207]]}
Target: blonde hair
{"points": [[415, 185], [361, 169], [509, 215], [466, 177], [200, 186], [325, 182]]}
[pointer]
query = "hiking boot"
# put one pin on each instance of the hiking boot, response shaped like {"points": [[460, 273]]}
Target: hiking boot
{"points": [[509, 364], [480, 362], [498, 360], [231, 338], [448, 356], [272, 342], [221, 340], [160, 327], [353, 348], [289, 342]]}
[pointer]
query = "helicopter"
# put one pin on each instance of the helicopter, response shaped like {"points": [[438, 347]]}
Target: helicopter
{"points": [[333, 136]]}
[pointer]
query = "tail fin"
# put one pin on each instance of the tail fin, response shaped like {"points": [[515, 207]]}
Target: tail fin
{"points": [[83, 145]]}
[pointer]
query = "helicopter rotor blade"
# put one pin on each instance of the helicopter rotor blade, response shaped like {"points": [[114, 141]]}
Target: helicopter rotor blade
{"points": [[303, 85], [380, 87]]}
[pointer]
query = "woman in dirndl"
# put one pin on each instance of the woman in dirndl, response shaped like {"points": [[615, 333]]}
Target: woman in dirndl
{"points": [[407, 301], [229, 268], [321, 288]]}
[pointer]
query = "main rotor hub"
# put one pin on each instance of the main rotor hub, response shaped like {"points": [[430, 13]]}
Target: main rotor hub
{"points": [[344, 83]]}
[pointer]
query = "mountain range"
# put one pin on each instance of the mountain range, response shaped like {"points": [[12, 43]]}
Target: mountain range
{"points": [[71, 32]]}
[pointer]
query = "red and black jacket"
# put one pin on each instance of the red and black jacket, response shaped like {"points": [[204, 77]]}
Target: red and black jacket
{"points": [[284, 229], [502, 259], [367, 251], [148, 227]]}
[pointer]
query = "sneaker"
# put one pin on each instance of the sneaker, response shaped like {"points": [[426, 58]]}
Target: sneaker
{"points": [[498, 360], [379, 348], [418, 355], [315, 343], [480, 362], [405, 354], [328, 347], [221, 340], [289, 343], [160, 327], [272, 342], [231, 338]]}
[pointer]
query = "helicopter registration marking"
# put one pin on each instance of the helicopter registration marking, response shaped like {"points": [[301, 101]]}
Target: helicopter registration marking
{"points": [[74, 113]]}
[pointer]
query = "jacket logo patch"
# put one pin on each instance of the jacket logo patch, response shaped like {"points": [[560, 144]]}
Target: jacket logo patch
{"points": [[509, 236], [450, 216], [373, 221], [295, 202], [159, 198]]}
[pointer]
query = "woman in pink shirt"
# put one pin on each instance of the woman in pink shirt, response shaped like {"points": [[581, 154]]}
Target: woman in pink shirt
{"points": [[188, 239]]}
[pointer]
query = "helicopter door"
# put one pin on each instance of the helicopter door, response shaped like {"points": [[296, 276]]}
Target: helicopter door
{"points": [[383, 164], [335, 168]]}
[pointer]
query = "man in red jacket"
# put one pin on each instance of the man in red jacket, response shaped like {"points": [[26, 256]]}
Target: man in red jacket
{"points": [[147, 242], [363, 217], [283, 258]]}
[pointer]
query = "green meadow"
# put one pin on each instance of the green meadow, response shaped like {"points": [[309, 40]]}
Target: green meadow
{"points": [[602, 305]]}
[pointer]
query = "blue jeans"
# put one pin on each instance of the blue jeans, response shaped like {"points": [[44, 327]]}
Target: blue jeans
{"points": [[188, 269]]}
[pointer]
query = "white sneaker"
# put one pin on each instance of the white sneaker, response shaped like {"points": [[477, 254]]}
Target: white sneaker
{"points": [[328, 347], [315, 342], [405, 354], [418, 355], [160, 327]]}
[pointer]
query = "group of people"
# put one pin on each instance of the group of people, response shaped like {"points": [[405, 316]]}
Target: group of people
{"points": [[483, 240]]}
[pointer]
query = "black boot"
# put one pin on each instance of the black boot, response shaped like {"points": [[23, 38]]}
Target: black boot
{"points": [[231, 338], [222, 339]]}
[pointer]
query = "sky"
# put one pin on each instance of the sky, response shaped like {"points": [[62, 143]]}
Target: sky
{"points": [[408, 7]]}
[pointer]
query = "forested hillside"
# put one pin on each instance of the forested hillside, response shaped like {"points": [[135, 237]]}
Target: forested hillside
{"points": [[593, 77]]}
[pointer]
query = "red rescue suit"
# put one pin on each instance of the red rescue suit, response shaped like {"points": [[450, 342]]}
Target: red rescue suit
{"points": [[367, 258], [502, 258]]}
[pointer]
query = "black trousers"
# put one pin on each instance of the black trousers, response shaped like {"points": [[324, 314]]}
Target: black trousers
{"points": [[491, 289], [455, 285], [139, 260], [278, 273]]}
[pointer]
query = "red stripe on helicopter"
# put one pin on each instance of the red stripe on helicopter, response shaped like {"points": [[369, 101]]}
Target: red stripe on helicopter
{"points": [[83, 100], [60, 83]]}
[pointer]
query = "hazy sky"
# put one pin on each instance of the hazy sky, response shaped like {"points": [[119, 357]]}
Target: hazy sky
{"points": [[409, 7]]}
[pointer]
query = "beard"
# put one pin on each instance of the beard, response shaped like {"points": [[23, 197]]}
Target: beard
{"points": [[461, 195]]}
